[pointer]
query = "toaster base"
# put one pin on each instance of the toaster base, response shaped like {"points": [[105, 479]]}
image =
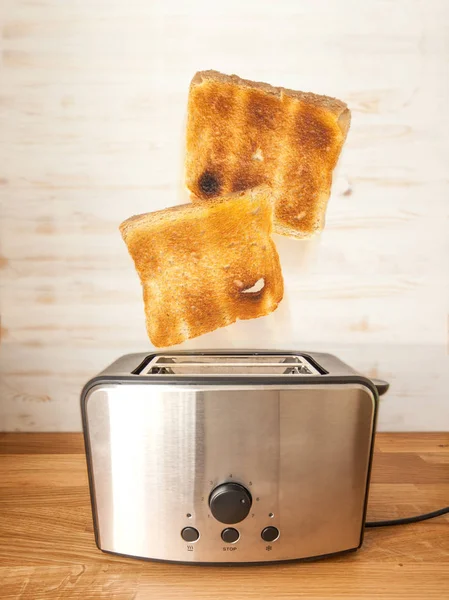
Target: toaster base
{"points": [[235, 564]]}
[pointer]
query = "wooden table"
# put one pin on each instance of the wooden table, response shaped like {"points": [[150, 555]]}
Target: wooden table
{"points": [[47, 547]]}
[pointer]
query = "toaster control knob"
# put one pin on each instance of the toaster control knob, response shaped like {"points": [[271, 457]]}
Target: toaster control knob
{"points": [[230, 503]]}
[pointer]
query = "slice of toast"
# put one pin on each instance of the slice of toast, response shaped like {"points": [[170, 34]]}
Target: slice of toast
{"points": [[198, 262], [241, 134]]}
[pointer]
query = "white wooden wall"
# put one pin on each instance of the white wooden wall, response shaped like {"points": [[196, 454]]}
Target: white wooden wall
{"points": [[92, 110]]}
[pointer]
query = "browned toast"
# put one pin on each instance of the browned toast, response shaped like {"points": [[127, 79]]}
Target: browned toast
{"points": [[198, 262], [241, 134]]}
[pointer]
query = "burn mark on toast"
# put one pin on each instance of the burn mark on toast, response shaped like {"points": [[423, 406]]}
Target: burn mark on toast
{"points": [[222, 104], [244, 179], [214, 99], [311, 131], [263, 110], [209, 184]]}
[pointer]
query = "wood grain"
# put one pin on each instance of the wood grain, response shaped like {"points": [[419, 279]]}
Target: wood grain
{"points": [[92, 113], [47, 548]]}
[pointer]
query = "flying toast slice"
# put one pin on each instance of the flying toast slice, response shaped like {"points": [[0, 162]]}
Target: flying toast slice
{"points": [[203, 266], [241, 134]]}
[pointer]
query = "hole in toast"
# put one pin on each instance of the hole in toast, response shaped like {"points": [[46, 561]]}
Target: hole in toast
{"points": [[256, 288], [257, 155]]}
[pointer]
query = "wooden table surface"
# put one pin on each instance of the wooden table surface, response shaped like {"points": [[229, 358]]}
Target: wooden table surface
{"points": [[47, 547]]}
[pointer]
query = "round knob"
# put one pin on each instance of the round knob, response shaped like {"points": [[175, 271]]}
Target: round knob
{"points": [[230, 503]]}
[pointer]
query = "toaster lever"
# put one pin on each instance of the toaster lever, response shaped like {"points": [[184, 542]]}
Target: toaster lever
{"points": [[381, 386]]}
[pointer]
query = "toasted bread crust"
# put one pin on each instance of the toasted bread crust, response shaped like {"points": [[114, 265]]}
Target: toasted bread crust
{"points": [[197, 261], [332, 104], [241, 134]]}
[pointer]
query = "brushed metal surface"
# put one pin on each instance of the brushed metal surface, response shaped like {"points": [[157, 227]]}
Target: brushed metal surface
{"points": [[157, 451]]}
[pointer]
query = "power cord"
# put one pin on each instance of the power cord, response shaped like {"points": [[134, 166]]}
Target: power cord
{"points": [[382, 387], [407, 520]]}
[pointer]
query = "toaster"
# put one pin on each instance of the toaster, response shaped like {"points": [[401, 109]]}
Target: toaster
{"points": [[229, 457]]}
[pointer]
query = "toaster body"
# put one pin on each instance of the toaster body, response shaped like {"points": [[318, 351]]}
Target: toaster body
{"points": [[239, 457]]}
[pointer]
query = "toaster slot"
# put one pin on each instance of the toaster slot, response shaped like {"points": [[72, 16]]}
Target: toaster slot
{"points": [[243, 365]]}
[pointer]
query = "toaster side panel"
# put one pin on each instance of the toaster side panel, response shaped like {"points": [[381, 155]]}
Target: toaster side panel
{"points": [[155, 454]]}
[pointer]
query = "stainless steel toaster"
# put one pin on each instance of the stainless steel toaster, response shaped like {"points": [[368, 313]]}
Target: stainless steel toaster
{"points": [[229, 457]]}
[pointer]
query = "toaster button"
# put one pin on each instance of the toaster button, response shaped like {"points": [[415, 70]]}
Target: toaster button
{"points": [[190, 534], [270, 534], [230, 535]]}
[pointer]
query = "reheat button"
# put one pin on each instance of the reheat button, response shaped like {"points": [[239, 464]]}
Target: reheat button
{"points": [[190, 534]]}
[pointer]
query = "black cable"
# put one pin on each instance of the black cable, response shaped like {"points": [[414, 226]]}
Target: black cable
{"points": [[406, 520]]}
